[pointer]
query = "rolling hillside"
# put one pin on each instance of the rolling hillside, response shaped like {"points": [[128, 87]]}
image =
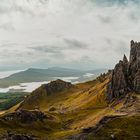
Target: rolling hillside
{"points": [[68, 113], [39, 75], [71, 110]]}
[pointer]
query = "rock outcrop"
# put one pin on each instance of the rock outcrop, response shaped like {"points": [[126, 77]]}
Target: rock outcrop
{"points": [[12, 136], [56, 86], [126, 75], [52, 87], [25, 116]]}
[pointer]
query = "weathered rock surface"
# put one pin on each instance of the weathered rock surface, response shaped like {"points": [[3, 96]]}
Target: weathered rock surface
{"points": [[134, 66], [25, 116], [56, 86], [12, 136], [126, 75]]}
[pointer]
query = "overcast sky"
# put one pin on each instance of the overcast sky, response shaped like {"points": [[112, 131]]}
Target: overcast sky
{"points": [[84, 34]]}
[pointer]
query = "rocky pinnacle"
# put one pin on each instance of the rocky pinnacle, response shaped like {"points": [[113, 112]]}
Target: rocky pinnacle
{"points": [[126, 74]]}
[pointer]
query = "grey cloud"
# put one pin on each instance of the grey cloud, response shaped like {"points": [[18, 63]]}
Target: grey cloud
{"points": [[116, 2], [71, 31], [23, 10], [108, 41], [14, 53], [52, 54], [105, 19], [135, 17], [8, 45], [7, 26], [75, 44], [43, 1], [47, 49], [121, 47], [8, 7], [68, 44]]}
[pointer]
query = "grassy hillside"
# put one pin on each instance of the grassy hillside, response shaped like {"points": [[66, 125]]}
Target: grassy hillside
{"points": [[124, 128], [78, 97], [73, 110]]}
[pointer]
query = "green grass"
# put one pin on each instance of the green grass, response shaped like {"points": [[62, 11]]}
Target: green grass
{"points": [[78, 108], [7, 100], [125, 128]]}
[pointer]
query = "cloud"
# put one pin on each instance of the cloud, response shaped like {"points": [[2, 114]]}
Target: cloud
{"points": [[22, 6], [47, 49], [75, 44], [7, 26], [105, 19], [90, 33], [116, 2]]}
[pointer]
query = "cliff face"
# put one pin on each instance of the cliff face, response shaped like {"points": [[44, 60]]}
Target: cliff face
{"points": [[56, 86], [134, 66], [126, 75]]}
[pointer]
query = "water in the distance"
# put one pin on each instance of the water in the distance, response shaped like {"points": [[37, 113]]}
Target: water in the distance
{"points": [[29, 87]]}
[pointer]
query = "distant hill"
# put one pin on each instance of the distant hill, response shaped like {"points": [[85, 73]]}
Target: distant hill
{"points": [[39, 75]]}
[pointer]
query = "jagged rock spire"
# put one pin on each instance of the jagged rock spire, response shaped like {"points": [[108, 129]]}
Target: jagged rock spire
{"points": [[125, 60], [134, 67], [126, 74], [132, 42]]}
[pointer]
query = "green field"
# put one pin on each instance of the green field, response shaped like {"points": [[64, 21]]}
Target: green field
{"points": [[8, 99]]}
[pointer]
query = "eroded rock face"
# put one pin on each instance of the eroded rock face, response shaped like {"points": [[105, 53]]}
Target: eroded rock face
{"points": [[126, 75], [19, 137], [118, 84], [134, 66], [25, 116], [49, 89], [137, 81], [12, 136], [57, 86]]}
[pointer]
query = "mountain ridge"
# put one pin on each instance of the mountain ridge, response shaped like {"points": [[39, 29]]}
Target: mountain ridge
{"points": [[39, 75]]}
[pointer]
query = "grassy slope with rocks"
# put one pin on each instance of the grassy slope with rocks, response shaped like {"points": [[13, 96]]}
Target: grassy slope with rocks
{"points": [[75, 109]]}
